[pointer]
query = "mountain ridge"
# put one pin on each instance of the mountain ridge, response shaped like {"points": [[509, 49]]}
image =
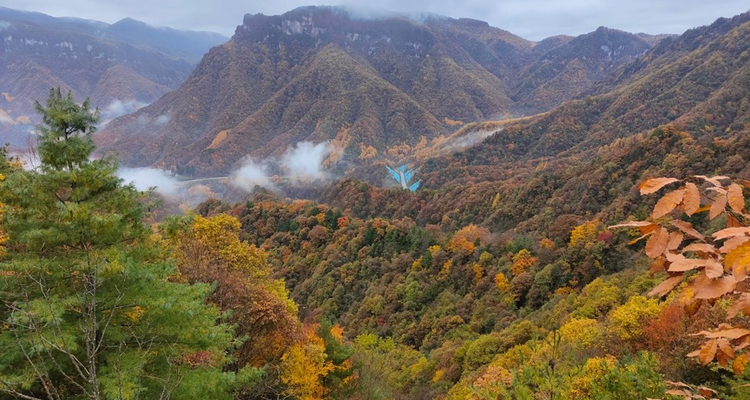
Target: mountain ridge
{"points": [[457, 71], [89, 58]]}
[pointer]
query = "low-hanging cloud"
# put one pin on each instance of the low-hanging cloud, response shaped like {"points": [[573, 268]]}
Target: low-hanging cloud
{"points": [[118, 108], [468, 140], [251, 175], [301, 164], [146, 178], [162, 119], [304, 161]]}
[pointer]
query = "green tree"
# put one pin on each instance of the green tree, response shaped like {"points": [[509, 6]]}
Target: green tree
{"points": [[88, 308]]}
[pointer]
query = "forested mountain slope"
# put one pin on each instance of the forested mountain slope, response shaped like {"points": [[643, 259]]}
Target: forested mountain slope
{"points": [[318, 74], [121, 67], [500, 277]]}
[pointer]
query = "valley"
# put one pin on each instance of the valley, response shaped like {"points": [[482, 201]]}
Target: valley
{"points": [[383, 208]]}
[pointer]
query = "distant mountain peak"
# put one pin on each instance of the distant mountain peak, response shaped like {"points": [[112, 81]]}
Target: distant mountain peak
{"points": [[129, 62]]}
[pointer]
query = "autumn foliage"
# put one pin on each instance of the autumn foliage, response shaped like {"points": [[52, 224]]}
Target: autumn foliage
{"points": [[709, 266]]}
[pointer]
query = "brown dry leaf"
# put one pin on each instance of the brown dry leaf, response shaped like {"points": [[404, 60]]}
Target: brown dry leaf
{"points": [[733, 222], [675, 239], [644, 227], [631, 224], [657, 243], [666, 286], [714, 269], [714, 180], [638, 239], [736, 199], [701, 248], [731, 232], [692, 201], [725, 353], [729, 333], [682, 264], [718, 206], [707, 391], [744, 342], [741, 304], [657, 265], [688, 229], [668, 203], [714, 288], [738, 366], [678, 384], [706, 352], [733, 243], [654, 184]]}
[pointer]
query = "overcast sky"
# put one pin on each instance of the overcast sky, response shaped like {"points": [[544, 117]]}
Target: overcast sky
{"points": [[530, 19]]}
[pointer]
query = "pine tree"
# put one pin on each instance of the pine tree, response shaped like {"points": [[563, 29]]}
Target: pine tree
{"points": [[88, 307]]}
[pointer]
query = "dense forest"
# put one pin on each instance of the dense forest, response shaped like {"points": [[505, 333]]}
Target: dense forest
{"points": [[596, 251]]}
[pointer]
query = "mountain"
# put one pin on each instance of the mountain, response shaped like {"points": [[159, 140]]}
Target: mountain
{"points": [[680, 110], [500, 274], [121, 66], [369, 85]]}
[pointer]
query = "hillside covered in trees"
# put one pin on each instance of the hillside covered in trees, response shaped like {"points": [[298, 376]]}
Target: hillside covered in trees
{"points": [[319, 73], [598, 250]]}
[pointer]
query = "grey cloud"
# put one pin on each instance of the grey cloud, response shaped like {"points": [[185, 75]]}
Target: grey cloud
{"points": [[531, 19]]}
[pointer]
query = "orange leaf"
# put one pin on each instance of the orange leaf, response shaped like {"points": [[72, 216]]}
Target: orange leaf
{"points": [[715, 288], [733, 222], [688, 229], [675, 239], [678, 384], [741, 304], [714, 269], [692, 199], [739, 272], [736, 199], [739, 363], [657, 243], [732, 333], [644, 226], [633, 224], [654, 184], [682, 264], [725, 352], [638, 239], [718, 206], [666, 286], [701, 247], [733, 243], [706, 391], [666, 204], [731, 232], [657, 265], [707, 352]]}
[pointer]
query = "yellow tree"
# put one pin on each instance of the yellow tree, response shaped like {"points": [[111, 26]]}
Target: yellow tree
{"points": [[210, 250], [304, 365]]}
